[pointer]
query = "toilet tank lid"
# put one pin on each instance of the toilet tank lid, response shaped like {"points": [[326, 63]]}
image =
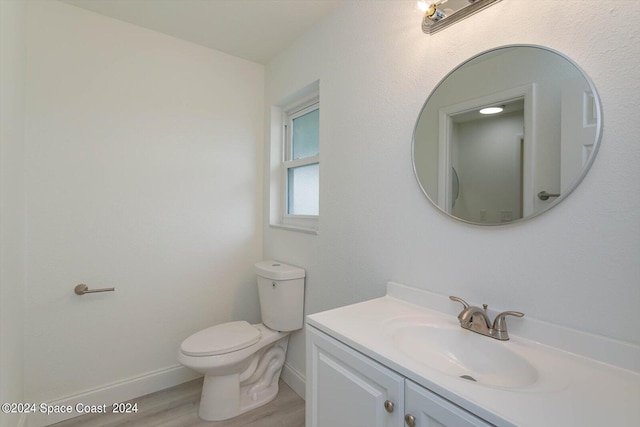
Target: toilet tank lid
{"points": [[276, 270]]}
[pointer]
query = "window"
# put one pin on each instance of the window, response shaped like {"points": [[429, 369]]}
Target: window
{"points": [[294, 191], [301, 163]]}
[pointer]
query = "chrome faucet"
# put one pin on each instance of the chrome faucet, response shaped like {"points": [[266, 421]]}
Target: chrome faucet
{"points": [[475, 319]]}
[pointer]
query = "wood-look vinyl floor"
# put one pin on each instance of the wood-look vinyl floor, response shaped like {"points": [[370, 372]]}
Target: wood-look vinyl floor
{"points": [[178, 407]]}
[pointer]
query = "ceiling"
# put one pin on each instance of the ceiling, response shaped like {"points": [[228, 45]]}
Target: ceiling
{"points": [[251, 29]]}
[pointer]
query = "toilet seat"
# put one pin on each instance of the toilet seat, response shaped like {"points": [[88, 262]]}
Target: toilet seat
{"points": [[221, 339]]}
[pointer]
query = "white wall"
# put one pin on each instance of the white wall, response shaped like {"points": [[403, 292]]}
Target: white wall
{"points": [[143, 172], [12, 257], [488, 163], [576, 265]]}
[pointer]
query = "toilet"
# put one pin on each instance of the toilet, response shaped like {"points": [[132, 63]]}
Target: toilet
{"points": [[241, 362]]}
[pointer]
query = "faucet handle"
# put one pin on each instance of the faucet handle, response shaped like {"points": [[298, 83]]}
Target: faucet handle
{"points": [[464, 304], [460, 300], [500, 324]]}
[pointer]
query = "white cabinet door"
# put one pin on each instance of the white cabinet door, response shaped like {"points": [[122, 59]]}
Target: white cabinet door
{"points": [[347, 389], [424, 408]]}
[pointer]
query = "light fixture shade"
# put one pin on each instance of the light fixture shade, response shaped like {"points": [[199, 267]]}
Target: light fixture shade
{"points": [[491, 110]]}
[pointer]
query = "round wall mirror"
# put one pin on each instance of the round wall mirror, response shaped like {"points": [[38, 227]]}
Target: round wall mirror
{"points": [[507, 135]]}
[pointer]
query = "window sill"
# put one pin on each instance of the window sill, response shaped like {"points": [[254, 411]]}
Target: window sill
{"points": [[298, 228]]}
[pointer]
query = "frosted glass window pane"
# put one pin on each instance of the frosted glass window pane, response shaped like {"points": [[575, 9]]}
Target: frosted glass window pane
{"points": [[304, 188], [305, 135]]}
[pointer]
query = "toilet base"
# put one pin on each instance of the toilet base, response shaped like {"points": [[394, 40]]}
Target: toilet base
{"points": [[227, 396], [221, 399]]}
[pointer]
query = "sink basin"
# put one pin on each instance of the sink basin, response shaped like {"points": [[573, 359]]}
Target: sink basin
{"points": [[464, 354]]}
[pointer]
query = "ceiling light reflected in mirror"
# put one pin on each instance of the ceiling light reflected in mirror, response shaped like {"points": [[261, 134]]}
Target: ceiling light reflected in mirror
{"points": [[491, 110]]}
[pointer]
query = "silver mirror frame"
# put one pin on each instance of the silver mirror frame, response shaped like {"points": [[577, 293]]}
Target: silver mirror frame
{"points": [[574, 185]]}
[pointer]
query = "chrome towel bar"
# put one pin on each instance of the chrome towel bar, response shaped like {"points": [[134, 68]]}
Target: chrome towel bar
{"points": [[82, 289]]}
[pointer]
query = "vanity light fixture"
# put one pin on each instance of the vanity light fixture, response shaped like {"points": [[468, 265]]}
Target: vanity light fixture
{"points": [[432, 10], [436, 17], [491, 110]]}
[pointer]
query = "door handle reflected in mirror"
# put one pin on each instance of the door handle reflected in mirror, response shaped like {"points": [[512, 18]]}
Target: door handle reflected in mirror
{"points": [[543, 195]]}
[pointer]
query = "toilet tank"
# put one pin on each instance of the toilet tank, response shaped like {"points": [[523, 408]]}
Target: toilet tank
{"points": [[281, 291]]}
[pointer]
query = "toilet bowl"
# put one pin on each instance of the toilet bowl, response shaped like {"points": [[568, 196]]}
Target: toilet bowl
{"points": [[241, 362]]}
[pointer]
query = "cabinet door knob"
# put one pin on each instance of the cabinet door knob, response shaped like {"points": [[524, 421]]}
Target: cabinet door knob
{"points": [[410, 420], [388, 405]]}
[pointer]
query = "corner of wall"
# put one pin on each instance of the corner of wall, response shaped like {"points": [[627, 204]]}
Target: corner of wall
{"points": [[12, 85], [294, 379]]}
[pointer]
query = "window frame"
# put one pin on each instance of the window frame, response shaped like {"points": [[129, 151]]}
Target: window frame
{"points": [[290, 114], [276, 185]]}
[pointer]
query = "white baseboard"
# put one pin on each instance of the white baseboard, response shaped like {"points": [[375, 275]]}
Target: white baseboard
{"points": [[120, 391], [294, 379], [141, 385]]}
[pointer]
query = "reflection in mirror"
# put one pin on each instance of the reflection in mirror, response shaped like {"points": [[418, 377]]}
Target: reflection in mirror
{"points": [[542, 136]]}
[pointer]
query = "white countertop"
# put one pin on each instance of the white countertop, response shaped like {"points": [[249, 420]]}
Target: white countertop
{"points": [[572, 390]]}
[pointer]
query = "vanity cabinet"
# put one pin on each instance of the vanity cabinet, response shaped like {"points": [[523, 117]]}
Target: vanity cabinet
{"points": [[348, 389], [423, 408]]}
